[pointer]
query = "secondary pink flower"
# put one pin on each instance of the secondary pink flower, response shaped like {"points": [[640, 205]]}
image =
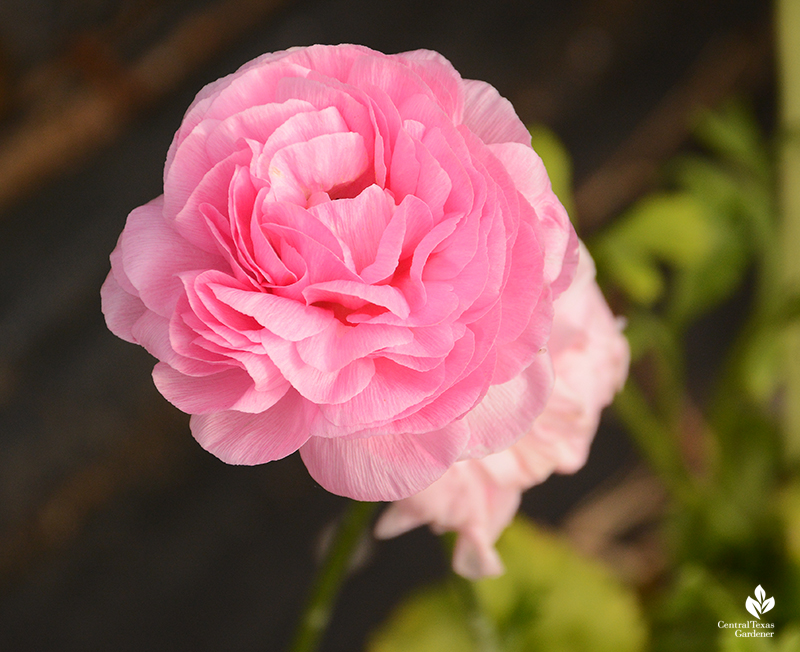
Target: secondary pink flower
{"points": [[352, 252], [478, 498]]}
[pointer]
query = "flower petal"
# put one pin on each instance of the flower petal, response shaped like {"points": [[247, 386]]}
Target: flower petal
{"points": [[226, 390], [153, 254], [507, 411], [386, 467], [558, 240], [121, 309], [490, 116], [239, 438]]}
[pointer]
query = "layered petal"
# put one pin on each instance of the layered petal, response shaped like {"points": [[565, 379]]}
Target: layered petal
{"points": [[241, 438], [477, 498], [120, 308], [387, 467]]}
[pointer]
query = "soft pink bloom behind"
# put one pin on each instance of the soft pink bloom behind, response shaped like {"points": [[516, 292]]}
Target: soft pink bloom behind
{"points": [[478, 498], [352, 252]]}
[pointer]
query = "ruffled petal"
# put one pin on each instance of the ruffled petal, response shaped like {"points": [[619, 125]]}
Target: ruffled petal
{"points": [[120, 308], [226, 390], [239, 438], [558, 240], [386, 467], [490, 116], [153, 254], [359, 223], [326, 163], [440, 76], [507, 411], [318, 386]]}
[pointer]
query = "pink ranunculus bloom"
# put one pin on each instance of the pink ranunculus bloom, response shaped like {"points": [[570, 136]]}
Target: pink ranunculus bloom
{"points": [[478, 497], [355, 255]]}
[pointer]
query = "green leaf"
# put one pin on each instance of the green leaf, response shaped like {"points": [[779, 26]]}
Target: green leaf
{"points": [[698, 289], [430, 621], [762, 361], [735, 194], [705, 236], [671, 228], [733, 133], [707, 179], [550, 598], [646, 331], [740, 212]]}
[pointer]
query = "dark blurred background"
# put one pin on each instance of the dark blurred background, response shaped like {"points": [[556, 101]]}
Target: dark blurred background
{"points": [[117, 531]]}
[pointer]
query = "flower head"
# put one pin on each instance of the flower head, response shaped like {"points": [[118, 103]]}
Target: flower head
{"points": [[355, 255], [478, 498]]}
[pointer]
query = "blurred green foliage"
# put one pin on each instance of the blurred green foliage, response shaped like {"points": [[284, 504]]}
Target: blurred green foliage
{"points": [[690, 247], [709, 238], [550, 598]]}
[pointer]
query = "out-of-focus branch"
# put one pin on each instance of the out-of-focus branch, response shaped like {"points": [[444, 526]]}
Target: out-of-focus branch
{"points": [[620, 526], [633, 168], [153, 456], [92, 115]]}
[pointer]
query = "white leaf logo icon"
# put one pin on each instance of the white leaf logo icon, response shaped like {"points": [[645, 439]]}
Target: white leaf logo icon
{"points": [[759, 605]]}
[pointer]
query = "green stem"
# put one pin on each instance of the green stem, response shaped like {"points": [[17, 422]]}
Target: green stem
{"points": [[331, 575], [788, 38], [482, 628], [484, 633], [654, 439]]}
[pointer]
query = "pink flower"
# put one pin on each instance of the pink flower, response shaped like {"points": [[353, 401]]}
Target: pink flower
{"points": [[478, 498], [355, 255]]}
